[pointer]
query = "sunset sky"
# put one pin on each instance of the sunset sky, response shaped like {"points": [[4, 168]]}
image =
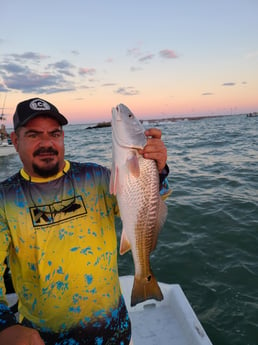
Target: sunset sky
{"points": [[161, 58]]}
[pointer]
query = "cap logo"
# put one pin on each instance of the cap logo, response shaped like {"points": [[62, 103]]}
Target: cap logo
{"points": [[39, 104]]}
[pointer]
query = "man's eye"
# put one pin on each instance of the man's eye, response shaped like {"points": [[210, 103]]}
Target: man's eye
{"points": [[32, 135], [56, 134]]}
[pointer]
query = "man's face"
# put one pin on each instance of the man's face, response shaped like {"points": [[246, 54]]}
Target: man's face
{"points": [[40, 144]]}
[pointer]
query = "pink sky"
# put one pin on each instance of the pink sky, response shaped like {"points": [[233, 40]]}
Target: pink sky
{"points": [[160, 60]]}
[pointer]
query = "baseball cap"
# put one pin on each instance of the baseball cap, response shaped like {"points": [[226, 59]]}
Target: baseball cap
{"points": [[33, 107]]}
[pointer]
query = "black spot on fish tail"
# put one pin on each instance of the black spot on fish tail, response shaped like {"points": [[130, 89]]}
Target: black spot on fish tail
{"points": [[148, 278], [145, 288]]}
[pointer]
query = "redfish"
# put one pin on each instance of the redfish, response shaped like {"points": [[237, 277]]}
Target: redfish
{"points": [[135, 182]]}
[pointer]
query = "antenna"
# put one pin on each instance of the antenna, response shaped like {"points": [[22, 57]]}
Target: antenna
{"points": [[3, 107]]}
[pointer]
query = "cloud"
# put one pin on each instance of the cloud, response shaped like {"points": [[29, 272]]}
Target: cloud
{"points": [[135, 69], [36, 57], [12, 68], [2, 88], [141, 57], [109, 84], [18, 76], [27, 73], [60, 65], [127, 91], [146, 58], [37, 83], [168, 54], [86, 87], [207, 94], [135, 51], [63, 67], [87, 71], [229, 84], [75, 52]]}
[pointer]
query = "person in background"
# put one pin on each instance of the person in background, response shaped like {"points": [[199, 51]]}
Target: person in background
{"points": [[57, 230], [3, 133]]}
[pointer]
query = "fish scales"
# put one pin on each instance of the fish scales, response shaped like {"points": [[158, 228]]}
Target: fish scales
{"points": [[138, 203], [135, 181]]}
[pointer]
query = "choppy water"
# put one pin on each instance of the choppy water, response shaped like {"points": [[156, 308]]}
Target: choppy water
{"points": [[209, 244]]}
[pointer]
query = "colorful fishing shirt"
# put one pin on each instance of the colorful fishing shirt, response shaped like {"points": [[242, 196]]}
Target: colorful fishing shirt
{"points": [[59, 237]]}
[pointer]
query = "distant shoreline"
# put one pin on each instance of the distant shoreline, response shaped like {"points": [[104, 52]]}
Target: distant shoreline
{"points": [[192, 118], [105, 124], [100, 125]]}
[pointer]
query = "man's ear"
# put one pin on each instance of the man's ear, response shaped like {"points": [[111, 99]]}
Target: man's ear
{"points": [[14, 139]]}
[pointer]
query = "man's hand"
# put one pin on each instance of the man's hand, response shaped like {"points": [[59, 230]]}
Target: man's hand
{"points": [[20, 335], [155, 148]]}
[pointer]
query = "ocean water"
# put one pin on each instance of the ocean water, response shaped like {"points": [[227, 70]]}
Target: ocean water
{"points": [[209, 243]]}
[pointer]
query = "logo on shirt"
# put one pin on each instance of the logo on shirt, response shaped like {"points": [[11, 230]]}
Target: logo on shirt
{"points": [[58, 211]]}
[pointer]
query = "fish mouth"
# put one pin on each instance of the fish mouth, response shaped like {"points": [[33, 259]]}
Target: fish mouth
{"points": [[116, 111], [116, 114]]}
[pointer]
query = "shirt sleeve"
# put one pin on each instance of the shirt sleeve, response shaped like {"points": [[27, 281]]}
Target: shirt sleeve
{"points": [[163, 174], [7, 317], [164, 189]]}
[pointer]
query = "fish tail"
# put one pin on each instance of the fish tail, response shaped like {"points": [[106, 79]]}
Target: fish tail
{"points": [[145, 288]]}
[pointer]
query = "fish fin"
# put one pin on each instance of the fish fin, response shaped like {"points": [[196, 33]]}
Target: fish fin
{"points": [[132, 164], [145, 288], [162, 215], [163, 212], [125, 245], [111, 182], [114, 181]]}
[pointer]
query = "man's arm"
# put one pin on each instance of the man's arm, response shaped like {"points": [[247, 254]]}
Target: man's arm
{"points": [[20, 335]]}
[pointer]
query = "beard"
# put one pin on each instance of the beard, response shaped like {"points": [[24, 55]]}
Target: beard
{"points": [[46, 172], [50, 170]]}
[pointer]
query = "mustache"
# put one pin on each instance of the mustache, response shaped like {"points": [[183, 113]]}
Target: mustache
{"points": [[45, 150]]}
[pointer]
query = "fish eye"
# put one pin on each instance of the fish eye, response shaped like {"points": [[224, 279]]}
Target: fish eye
{"points": [[130, 115]]}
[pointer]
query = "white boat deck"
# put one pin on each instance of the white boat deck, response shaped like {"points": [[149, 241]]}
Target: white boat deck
{"points": [[171, 321]]}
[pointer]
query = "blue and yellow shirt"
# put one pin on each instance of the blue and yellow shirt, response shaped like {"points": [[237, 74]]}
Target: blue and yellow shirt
{"points": [[59, 236]]}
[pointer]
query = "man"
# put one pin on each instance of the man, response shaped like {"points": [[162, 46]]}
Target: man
{"points": [[57, 230]]}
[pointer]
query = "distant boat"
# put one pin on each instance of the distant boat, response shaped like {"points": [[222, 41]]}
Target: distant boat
{"points": [[6, 146], [254, 114]]}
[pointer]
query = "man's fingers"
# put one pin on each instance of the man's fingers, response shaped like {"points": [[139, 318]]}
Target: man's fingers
{"points": [[153, 132]]}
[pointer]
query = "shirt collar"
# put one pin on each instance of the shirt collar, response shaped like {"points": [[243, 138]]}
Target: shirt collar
{"points": [[45, 179]]}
